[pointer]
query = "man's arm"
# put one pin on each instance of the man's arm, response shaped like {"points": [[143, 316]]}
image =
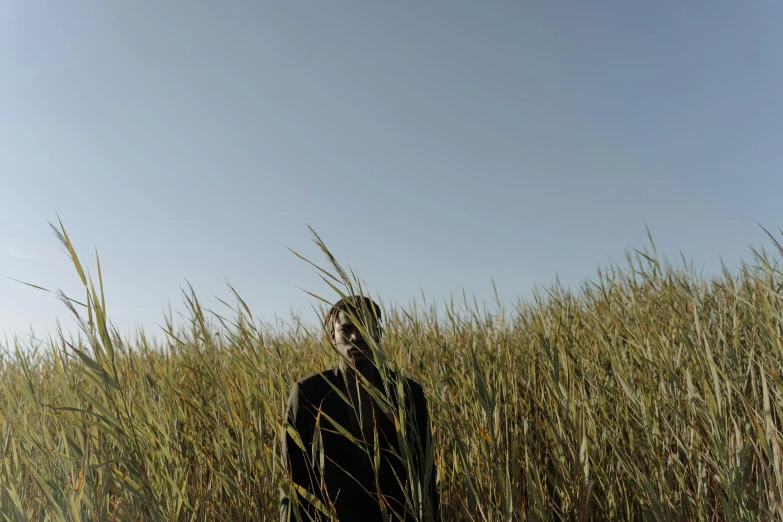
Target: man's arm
{"points": [[294, 459]]}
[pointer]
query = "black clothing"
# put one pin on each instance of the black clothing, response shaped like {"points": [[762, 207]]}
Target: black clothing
{"points": [[342, 471]]}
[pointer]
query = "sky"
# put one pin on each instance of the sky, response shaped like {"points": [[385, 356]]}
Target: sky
{"points": [[434, 146]]}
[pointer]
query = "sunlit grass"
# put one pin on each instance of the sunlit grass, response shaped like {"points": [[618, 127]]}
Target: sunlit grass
{"points": [[648, 394]]}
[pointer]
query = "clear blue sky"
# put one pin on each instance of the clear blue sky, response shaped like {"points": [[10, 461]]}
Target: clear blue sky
{"points": [[467, 141]]}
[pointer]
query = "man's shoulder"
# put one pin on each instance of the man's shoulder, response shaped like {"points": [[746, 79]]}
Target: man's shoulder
{"points": [[315, 385], [412, 386]]}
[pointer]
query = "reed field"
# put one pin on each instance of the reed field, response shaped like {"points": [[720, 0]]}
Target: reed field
{"points": [[648, 393]]}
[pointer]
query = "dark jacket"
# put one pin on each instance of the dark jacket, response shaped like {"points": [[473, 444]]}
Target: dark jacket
{"points": [[331, 475]]}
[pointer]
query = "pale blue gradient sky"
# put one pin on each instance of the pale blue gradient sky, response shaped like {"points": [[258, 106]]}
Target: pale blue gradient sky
{"points": [[506, 140]]}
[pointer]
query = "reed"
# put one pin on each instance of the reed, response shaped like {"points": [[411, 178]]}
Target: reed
{"points": [[649, 393]]}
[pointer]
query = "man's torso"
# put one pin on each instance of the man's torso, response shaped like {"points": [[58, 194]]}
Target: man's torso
{"points": [[344, 437]]}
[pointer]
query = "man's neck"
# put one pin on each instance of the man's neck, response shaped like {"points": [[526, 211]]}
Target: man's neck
{"points": [[366, 368]]}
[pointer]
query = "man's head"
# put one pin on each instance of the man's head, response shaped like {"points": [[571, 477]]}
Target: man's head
{"points": [[345, 334]]}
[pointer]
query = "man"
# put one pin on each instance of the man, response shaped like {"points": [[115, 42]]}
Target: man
{"points": [[340, 448]]}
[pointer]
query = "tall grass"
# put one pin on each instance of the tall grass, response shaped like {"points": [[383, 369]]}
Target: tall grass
{"points": [[648, 394]]}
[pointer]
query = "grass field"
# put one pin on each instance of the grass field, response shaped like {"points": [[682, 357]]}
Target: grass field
{"points": [[648, 394]]}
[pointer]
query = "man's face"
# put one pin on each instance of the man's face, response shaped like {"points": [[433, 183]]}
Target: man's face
{"points": [[349, 341]]}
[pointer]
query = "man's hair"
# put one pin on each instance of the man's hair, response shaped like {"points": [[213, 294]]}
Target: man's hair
{"points": [[352, 304]]}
